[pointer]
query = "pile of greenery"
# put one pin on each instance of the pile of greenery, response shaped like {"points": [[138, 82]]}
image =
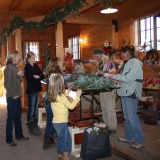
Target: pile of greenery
{"points": [[91, 81], [99, 131]]}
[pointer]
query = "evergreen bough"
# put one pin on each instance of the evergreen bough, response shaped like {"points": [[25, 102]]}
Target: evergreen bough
{"points": [[91, 81]]}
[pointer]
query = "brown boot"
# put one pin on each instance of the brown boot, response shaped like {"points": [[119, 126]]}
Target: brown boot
{"points": [[35, 125], [66, 156], [47, 144]]}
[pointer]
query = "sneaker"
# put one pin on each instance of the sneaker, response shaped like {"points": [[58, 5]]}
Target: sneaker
{"points": [[13, 143], [137, 145], [23, 139], [122, 139], [60, 156]]}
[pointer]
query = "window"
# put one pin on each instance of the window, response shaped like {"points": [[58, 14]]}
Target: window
{"points": [[149, 32], [30, 47], [75, 46], [158, 32]]}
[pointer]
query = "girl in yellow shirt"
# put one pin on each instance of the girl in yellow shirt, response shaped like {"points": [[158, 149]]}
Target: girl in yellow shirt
{"points": [[60, 105]]}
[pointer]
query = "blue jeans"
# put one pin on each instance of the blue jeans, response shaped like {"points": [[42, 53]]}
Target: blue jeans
{"points": [[13, 118], [32, 105], [133, 129], [49, 117], [64, 141]]}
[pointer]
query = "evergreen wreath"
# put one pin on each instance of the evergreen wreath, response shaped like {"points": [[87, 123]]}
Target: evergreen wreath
{"points": [[152, 56]]}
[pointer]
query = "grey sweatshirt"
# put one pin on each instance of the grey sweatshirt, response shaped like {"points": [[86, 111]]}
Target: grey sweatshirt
{"points": [[12, 81]]}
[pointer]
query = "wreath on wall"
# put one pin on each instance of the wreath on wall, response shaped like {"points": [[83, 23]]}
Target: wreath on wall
{"points": [[108, 48], [152, 57]]}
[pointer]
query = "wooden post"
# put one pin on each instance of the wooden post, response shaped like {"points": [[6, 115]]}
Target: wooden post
{"points": [[18, 41], [9, 44], [3, 53], [59, 41], [18, 45]]}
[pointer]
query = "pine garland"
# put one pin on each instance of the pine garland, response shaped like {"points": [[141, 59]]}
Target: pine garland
{"points": [[57, 15], [90, 81]]}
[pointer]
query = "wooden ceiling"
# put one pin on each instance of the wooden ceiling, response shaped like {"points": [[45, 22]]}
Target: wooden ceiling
{"points": [[27, 8], [34, 8]]}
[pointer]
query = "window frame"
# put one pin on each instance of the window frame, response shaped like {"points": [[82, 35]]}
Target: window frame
{"points": [[153, 43], [71, 44], [24, 49]]}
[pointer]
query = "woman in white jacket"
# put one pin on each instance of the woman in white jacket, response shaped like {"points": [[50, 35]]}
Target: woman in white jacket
{"points": [[131, 78]]}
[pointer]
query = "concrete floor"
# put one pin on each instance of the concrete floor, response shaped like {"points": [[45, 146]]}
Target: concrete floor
{"points": [[32, 149]]}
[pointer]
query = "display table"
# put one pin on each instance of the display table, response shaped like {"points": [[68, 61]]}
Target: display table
{"points": [[146, 90], [90, 95], [93, 93]]}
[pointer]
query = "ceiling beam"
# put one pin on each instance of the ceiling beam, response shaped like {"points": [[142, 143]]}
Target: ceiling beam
{"points": [[11, 14], [21, 14], [89, 19], [35, 19], [40, 18]]}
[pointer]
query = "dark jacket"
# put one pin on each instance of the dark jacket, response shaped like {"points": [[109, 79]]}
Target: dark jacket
{"points": [[33, 84], [12, 81]]}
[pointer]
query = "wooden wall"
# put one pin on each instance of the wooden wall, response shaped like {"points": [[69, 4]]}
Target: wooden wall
{"points": [[95, 35], [124, 32], [3, 47], [46, 37]]}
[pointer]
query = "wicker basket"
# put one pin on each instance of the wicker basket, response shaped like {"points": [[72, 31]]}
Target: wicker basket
{"points": [[150, 117]]}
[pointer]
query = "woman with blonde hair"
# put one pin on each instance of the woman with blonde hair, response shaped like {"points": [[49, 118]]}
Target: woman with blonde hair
{"points": [[33, 76], [12, 84], [107, 99]]}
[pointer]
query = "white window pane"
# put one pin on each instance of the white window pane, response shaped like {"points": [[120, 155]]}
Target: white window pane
{"points": [[148, 23], [152, 23], [148, 35], [34, 47], [143, 38], [158, 33], [158, 38], [152, 38], [158, 45], [142, 25], [152, 34], [75, 47], [158, 21]]}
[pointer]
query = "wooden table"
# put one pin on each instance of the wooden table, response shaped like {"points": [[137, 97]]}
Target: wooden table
{"points": [[145, 90]]}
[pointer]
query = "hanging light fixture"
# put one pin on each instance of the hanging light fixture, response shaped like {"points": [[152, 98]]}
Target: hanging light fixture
{"points": [[107, 7], [109, 10]]}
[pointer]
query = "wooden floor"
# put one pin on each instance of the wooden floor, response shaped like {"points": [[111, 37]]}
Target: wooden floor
{"points": [[120, 150], [151, 151]]}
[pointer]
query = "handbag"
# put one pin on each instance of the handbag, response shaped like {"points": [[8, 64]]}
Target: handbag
{"points": [[95, 144]]}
